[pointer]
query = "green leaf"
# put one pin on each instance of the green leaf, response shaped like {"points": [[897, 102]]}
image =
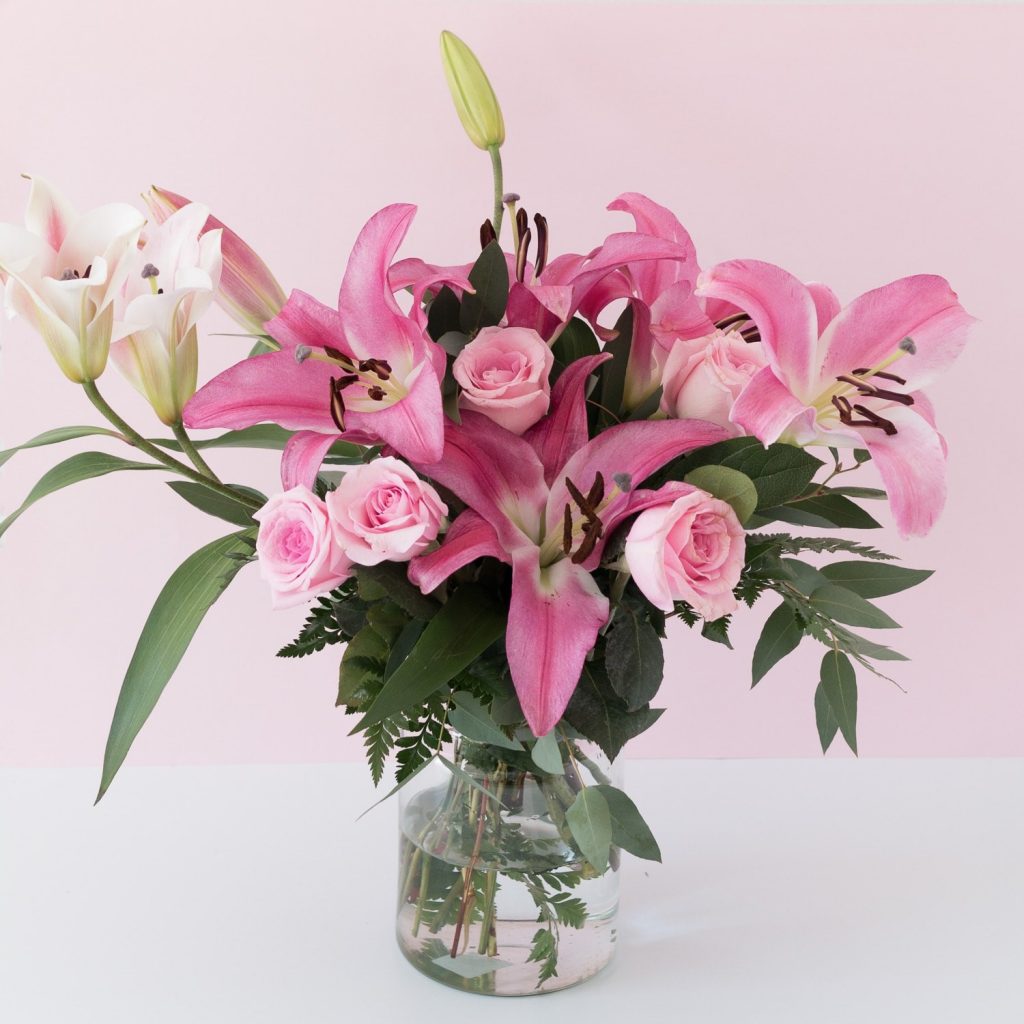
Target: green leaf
{"points": [[464, 627], [786, 544], [612, 374], [486, 306], [874, 579], [858, 645], [839, 686], [590, 822], [179, 609], [629, 830], [465, 776], [806, 578], [263, 435], [576, 341], [394, 789], [83, 466], [868, 493], [824, 719], [56, 436], [363, 664], [845, 606], [634, 658], [779, 472], [717, 631], [443, 313], [214, 503], [392, 579], [403, 645], [728, 485], [780, 636], [547, 755], [597, 713], [453, 342], [825, 510], [470, 718]]}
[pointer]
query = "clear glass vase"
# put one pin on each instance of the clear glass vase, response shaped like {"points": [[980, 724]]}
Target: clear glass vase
{"points": [[494, 895]]}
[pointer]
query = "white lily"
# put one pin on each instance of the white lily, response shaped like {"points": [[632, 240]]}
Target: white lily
{"points": [[172, 282], [62, 272]]}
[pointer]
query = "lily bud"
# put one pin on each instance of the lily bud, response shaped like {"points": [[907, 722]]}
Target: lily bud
{"points": [[249, 292], [475, 102]]}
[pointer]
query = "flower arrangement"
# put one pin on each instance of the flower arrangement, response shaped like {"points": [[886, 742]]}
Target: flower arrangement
{"points": [[499, 482]]}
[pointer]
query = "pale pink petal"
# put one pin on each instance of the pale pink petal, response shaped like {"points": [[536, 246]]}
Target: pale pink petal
{"points": [[782, 308], [561, 433], [826, 304], [302, 457], [869, 330], [469, 537], [766, 407], [912, 463], [618, 250], [304, 320], [553, 621], [678, 315], [49, 214]]}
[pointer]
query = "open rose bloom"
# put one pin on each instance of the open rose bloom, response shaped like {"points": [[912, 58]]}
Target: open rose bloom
{"points": [[504, 483]]}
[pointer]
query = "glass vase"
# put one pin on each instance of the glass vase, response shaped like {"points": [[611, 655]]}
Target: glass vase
{"points": [[495, 896]]}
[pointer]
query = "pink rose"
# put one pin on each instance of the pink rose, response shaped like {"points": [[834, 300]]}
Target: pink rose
{"points": [[503, 373], [384, 512], [691, 549], [297, 554], [703, 378]]}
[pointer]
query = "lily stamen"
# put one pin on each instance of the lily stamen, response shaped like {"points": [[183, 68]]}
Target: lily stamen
{"points": [[542, 244]]}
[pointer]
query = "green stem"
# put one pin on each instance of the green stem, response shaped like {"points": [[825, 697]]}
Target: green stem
{"points": [[135, 439], [499, 188], [192, 452]]}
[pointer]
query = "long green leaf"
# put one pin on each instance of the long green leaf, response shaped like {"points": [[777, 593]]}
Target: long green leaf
{"points": [[83, 466], [634, 658], [267, 436], [874, 579], [629, 830], [824, 719], [485, 306], [780, 636], [590, 821], [470, 717], [847, 607], [839, 686], [56, 436], [216, 504], [464, 627], [179, 608]]}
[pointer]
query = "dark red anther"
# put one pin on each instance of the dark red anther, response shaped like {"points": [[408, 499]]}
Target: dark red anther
{"points": [[376, 393], [522, 253], [487, 234], [337, 404], [542, 244], [567, 530]]}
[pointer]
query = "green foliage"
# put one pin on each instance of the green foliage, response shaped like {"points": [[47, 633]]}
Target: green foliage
{"points": [[443, 314], [547, 755], [629, 830], [838, 689], [57, 436], [633, 657], [780, 636], [391, 579], [472, 719], [576, 341], [216, 503], [728, 485], [424, 732], [612, 374], [717, 630], [874, 580], [818, 506], [842, 605], [590, 822], [486, 306], [333, 619], [783, 543], [179, 609]]}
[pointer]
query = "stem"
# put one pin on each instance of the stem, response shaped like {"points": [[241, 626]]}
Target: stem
{"points": [[192, 452], [470, 890], [499, 188], [134, 438]]}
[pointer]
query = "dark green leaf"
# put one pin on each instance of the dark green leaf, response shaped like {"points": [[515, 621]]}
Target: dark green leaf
{"points": [[486, 306], [57, 436], [779, 472], [857, 645], [215, 503], [629, 830], [363, 664], [612, 374], [180, 607], [839, 685], [83, 466], [464, 627], [825, 510], [824, 718], [780, 636], [443, 313], [391, 578], [590, 821], [471, 718], [453, 342], [874, 579], [403, 645], [868, 493], [728, 485], [845, 606], [634, 658], [576, 341], [717, 631], [394, 789], [805, 578]]}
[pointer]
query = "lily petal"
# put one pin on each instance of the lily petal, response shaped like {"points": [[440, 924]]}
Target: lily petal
{"points": [[766, 407], [562, 433], [304, 320], [49, 214], [544, 308], [554, 617], [781, 306], [912, 463], [469, 537], [870, 329], [826, 304], [302, 457]]}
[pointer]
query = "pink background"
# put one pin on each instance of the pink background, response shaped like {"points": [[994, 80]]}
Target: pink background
{"points": [[852, 145]]}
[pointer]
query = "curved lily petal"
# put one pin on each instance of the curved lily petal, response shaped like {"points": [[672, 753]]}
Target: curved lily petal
{"points": [[826, 304], [562, 433], [469, 537], [622, 249], [304, 320], [766, 407], [913, 467], [609, 289], [419, 277], [553, 621], [302, 457], [781, 306], [677, 315], [542, 307], [869, 330], [49, 214]]}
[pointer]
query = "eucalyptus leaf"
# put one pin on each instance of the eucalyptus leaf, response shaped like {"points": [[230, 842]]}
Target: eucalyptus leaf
{"points": [[83, 466], [547, 755], [590, 822], [485, 306], [634, 658], [179, 609], [839, 686], [780, 636], [824, 718], [471, 719], [825, 510], [629, 830], [845, 606], [874, 579], [779, 472], [728, 485], [575, 341]]}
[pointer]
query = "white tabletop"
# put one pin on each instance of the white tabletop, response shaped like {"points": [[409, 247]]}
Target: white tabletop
{"points": [[792, 891]]}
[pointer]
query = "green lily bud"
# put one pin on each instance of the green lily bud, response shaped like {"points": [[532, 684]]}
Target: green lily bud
{"points": [[475, 102]]}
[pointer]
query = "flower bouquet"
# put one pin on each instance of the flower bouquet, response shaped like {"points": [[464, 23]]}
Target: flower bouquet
{"points": [[499, 483]]}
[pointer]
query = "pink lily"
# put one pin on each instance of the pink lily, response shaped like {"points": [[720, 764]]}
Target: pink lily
{"points": [[248, 291], [365, 371], [545, 503], [850, 378]]}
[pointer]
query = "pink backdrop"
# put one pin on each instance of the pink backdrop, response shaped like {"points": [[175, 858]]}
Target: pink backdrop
{"points": [[852, 145]]}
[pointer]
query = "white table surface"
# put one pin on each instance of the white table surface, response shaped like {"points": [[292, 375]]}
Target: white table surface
{"points": [[792, 891]]}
